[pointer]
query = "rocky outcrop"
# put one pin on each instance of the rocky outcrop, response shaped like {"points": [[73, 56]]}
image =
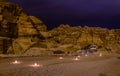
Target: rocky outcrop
{"points": [[19, 28], [28, 25], [75, 38], [29, 32], [23, 34]]}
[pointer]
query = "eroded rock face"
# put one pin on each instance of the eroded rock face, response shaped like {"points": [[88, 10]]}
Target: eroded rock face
{"points": [[79, 37], [21, 29], [22, 34]]}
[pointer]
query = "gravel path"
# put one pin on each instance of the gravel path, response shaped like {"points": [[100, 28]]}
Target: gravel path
{"points": [[53, 66]]}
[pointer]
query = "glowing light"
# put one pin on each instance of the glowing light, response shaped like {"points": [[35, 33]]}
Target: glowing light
{"points": [[76, 58], [36, 65], [100, 54], [60, 57], [16, 62], [86, 55]]}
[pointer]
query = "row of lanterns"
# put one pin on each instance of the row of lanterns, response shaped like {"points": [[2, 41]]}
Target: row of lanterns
{"points": [[33, 65], [77, 58], [39, 65]]}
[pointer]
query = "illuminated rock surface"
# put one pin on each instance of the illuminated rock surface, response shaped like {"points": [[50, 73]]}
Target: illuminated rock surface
{"points": [[22, 33]]}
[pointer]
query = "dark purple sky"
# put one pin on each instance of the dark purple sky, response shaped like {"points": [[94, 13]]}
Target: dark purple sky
{"points": [[102, 13]]}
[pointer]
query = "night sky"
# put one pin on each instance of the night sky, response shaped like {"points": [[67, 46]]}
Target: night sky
{"points": [[102, 13]]}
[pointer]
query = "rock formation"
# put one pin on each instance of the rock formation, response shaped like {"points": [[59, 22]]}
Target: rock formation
{"points": [[23, 34], [79, 37], [18, 29]]}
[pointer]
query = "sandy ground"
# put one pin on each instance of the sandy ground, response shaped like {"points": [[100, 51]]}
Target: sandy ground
{"points": [[53, 66]]}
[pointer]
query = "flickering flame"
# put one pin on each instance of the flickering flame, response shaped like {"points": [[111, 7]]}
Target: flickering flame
{"points": [[86, 55], [36, 65], [60, 57], [100, 54], [76, 58], [16, 62]]}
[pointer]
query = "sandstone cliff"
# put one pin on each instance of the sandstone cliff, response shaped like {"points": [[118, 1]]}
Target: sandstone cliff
{"points": [[23, 34], [19, 28], [79, 37]]}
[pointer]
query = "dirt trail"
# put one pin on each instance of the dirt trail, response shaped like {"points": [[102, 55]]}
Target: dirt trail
{"points": [[86, 66]]}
